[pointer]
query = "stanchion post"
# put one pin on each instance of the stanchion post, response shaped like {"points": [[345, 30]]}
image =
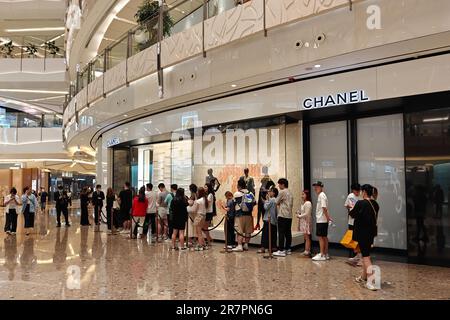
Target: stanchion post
{"points": [[186, 240], [226, 235], [270, 256], [157, 225]]}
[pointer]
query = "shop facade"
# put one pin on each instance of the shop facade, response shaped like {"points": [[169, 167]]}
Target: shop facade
{"points": [[368, 126]]}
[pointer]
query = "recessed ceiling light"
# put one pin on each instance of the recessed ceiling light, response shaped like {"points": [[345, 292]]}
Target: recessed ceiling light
{"points": [[234, 85], [317, 66]]}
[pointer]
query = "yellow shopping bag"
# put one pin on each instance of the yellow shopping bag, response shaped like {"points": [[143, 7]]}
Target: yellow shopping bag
{"points": [[348, 242]]}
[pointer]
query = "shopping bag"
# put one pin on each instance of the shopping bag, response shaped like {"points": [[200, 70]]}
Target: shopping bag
{"points": [[347, 241]]}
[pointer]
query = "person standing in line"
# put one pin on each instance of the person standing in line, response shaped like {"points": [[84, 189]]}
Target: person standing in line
{"points": [[162, 212], [304, 216], [111, 198], [125, 202], [58, 205], [139, 211], [365, 213], [179, 218], [84, 203], [199, 207], [43, 195], [249, 181], [350, 202], [270, 210], [244, 202], [230, 210], [150, 218], [192, 214], [322, 221], [266, 184], [29, 206], [168, 201], [97, 198], [210, 211], [285, 202], [11, 202]]}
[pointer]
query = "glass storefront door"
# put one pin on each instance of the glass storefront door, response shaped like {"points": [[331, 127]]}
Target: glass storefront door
{"points": [[329, 164], [378, 160], [381, 163], [427, 150]]}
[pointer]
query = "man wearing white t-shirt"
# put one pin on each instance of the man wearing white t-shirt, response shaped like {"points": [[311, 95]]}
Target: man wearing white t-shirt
{"points": [[322, 220], [350, 202]]}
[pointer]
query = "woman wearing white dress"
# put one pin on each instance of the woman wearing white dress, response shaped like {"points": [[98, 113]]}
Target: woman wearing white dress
{"points": [[199, 207], [192, 214], [304, 216]]}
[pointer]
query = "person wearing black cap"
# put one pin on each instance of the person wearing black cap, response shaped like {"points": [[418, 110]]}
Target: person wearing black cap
{"points": [[322, 220]]}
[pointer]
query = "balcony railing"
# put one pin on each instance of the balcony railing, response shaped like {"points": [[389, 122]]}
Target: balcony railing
{"points": [[23, 120], [169, 20]]}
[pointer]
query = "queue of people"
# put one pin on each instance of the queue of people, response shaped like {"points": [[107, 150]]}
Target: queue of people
{"points": [[170, 215]]}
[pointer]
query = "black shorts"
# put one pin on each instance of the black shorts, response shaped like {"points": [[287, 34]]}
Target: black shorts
{"points": [[365, 248], [350, 227], [322, 229], [209, 216]]}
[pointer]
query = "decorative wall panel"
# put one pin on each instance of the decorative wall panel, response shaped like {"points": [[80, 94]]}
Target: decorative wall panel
{"points": [[95, 89], [283, 11], [142, 64], [115, 77], [234, 24], [182, 45]]}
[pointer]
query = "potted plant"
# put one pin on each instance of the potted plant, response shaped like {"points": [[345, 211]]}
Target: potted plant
{"points": [[51, 47], [7, 49], [31, 50], [147, 19]]}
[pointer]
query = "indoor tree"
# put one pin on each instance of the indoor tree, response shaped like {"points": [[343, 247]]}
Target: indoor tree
{"points": [[147, 18]]}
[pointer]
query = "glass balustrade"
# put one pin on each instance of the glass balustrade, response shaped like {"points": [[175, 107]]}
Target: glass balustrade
{"points": [[178, 15], [24, 120]]}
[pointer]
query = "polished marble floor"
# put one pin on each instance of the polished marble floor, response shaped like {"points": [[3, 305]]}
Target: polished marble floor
{"points": [[41, 266]]}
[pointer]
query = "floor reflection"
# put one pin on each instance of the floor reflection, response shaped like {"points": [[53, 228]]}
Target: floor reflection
{"points": [[114, 267]]}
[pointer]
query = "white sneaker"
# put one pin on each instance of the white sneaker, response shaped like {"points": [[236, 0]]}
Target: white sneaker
{"points": [[327, 256], [289, 252], [280, 253], [306, 253], [319, 257], [370, 286], [245, 247], [238, 249], [229, 247]]}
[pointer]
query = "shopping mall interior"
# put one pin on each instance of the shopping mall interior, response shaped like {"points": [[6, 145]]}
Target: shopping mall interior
{"points": [[226, 150]]}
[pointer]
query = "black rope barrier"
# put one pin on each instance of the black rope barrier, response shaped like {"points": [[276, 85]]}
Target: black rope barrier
{"points": [[252, 236], [213, 228]]}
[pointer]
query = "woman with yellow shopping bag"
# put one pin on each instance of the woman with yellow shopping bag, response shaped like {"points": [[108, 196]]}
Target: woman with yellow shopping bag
{"points": [[365, 230]]}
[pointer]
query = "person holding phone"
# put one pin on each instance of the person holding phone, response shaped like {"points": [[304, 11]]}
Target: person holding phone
{"points": [[11, 202], [29, 205]]}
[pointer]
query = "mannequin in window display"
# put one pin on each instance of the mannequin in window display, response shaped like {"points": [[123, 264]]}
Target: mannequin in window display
{"points": [[266, 184], [210, 179], [249, 181]]}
